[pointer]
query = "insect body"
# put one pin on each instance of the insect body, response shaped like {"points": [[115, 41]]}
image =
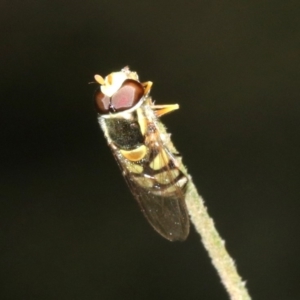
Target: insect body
{"points": [[143, 150]]}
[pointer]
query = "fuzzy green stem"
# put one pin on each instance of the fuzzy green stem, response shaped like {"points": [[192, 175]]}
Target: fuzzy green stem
{"points": [[215, 246], [211, 239]]}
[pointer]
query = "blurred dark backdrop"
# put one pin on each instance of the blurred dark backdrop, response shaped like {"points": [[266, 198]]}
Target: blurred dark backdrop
{"points": [[69, 227]]}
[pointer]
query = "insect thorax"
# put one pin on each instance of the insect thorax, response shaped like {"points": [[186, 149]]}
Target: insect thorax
{"points": [[124, 133]]}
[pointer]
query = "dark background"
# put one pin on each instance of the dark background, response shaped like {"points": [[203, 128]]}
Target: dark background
{"points": [[69, 227]]}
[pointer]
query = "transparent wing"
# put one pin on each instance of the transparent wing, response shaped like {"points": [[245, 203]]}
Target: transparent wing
{"points": [[168, 215], [160, 193]]}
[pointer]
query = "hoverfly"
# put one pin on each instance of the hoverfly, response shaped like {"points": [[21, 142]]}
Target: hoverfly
{"points": [[143, 150]]}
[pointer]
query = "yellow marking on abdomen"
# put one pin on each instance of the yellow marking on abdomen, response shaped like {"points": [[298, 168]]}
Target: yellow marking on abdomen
{"points": [[167, 177], [161, 160], [134, 168], [135, 154], [144, 182]]}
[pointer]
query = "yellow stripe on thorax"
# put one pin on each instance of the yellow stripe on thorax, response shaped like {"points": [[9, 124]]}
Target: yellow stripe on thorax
{"points": [[142, 120]]}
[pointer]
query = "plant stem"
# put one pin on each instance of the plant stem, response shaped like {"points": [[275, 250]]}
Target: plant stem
{"points": [[211, 239], [215, 246]]}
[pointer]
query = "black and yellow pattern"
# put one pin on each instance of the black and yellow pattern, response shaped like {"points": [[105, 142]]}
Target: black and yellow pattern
{"points": [[151, 171]]}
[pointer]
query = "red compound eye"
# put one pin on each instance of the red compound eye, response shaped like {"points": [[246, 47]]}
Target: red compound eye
{"points": [[128, 95], [102, 102]]}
